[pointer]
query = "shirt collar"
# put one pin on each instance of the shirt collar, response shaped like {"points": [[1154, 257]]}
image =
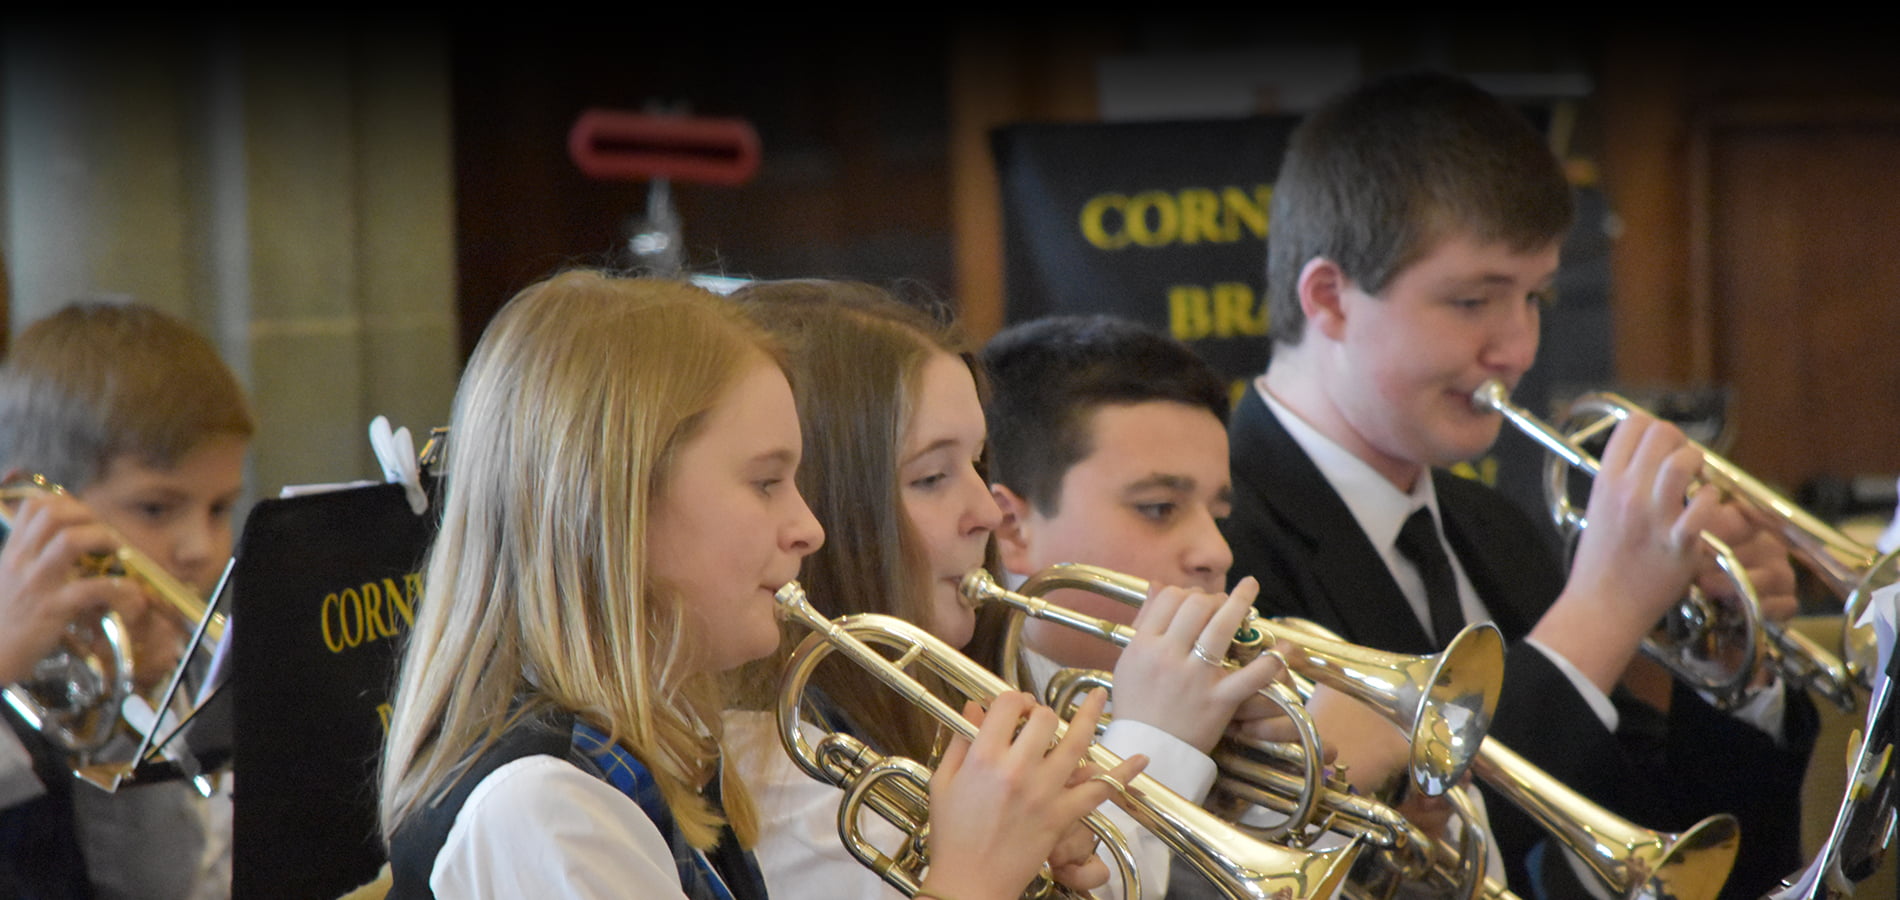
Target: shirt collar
{"points": [[1380, 507]]}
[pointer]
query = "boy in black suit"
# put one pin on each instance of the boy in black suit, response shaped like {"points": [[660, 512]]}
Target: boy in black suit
{"points": [[1416, 228]]}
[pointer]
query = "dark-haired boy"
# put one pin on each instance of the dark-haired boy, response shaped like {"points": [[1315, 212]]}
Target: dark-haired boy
{"points": [[134, 413], [1108, 446], [1416, 229]]}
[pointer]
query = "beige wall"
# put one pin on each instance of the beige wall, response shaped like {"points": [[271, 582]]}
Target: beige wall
{"points": [[288, 192]]}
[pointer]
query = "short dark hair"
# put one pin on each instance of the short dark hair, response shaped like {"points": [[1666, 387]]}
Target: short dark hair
{"points": [[1048, 376], [1373, 180]]}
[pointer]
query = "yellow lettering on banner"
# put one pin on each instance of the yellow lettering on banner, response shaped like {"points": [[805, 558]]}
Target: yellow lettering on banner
{"points": [[402, 605], [1238, 209], [1095, 230], [1484, 470], [1188, 315], [332, 610], [369, 612], [383, 712], [352, 603], [1228, 309], [1200, 216], [1166, 224], [373, 625], [1188, 216]]}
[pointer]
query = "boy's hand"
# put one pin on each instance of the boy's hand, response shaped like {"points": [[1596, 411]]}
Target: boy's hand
{"points": [[1171, 676], [1372, 751], [1761, 553], [1639, 553], [42, 586]]}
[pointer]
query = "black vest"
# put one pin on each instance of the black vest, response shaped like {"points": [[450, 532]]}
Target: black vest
{"points": [[413, 849]]}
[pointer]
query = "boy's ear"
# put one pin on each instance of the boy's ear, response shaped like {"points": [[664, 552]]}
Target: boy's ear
{"points": [[1013, 530], [1322, 282]]}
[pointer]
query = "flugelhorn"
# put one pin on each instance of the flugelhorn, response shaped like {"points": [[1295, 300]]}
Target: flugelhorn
{"points": [[75, 695], [1443, 703], [1851, 570], [1240, 865], [1634, 862], [1711, 642]]}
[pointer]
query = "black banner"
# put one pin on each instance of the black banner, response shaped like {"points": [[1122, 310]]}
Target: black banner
{"points": [[1160, 222], [325, 588], [1166, 223]]}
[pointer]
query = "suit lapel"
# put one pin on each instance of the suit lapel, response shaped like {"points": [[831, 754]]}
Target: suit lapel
{"points": [[1352, 577]]}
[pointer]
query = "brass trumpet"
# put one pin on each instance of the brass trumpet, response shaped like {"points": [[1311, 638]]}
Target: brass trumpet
{"points": [[1634, 862], [1240, 865], [1851, 570], [1443, 703], [75, 694], [1712, 642]]}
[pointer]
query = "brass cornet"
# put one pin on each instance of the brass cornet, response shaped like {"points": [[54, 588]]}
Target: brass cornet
{"points": [[75, 694], [1634, 862], [1241, 866], [1443, 703], [1712, 642], [1851, 570]]}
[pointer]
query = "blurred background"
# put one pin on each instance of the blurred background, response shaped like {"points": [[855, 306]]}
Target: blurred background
{"points": [[345, 205]]}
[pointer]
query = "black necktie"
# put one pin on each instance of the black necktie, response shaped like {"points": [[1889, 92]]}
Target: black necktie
{"points": [[1418, 540]]}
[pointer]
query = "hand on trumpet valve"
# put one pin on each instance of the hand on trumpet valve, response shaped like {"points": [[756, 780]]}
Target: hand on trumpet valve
{"points": [[1359, 740], [1642, 537], [1173, 674], [1008, 802], [1761, 553], [1639, 554], [1432, 815], [44, 585]]}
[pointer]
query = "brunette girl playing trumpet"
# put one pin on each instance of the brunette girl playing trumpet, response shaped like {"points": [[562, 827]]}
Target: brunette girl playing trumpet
{"points": [[894, 434]]}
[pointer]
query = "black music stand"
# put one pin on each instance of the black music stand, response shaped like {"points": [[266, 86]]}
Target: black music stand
{"points": [[323, 591]]}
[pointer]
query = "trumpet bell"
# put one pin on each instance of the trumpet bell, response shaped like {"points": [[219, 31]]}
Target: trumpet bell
{"points": [[1635, 862], [73, 694]]}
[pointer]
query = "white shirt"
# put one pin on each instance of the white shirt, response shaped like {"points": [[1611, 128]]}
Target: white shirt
{"points": [[1178, 765], [802, 857], [799, 851], [1381, 510], [540, 827]]}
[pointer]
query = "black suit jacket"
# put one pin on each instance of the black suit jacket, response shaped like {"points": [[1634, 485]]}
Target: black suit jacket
{"points": [[1291, 530]]}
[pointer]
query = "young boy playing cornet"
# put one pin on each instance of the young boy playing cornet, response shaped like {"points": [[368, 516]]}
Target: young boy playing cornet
{"points": [[141, 423]]}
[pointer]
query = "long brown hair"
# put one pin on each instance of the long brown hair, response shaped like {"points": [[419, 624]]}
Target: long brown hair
{"points": [[857, 356]]}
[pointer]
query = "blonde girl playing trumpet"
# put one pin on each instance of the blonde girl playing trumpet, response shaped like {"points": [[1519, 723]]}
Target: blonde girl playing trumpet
{"points": [[621, 505]]}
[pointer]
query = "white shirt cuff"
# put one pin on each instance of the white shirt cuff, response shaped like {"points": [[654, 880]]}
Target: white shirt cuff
{"points": [[1765, 708], [1177, 764], [1587, 689]]}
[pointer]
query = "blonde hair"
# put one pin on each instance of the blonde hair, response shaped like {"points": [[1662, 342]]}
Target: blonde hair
{"points": [[538, 591], [857, 357], [97, 381]]}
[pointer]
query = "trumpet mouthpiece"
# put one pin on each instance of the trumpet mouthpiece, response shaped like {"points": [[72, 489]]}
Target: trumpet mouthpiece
{"points": [[1490, 395], [977, 584]]}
